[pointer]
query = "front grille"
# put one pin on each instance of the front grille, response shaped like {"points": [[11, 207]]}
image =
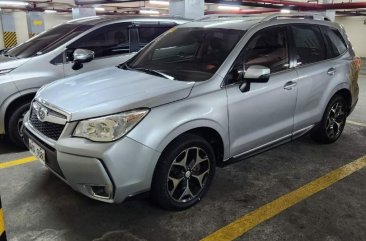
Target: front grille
{"points": [[51, 130]]}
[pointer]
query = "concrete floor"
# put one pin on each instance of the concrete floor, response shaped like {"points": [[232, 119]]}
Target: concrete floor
{"points": [[38, 206]]}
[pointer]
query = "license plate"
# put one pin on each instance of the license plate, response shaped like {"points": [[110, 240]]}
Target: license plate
{"points": [[37, 151]]}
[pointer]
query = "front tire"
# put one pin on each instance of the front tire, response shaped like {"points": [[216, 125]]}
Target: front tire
{"points": [[332, 124], [15, 124], [184, 173]]}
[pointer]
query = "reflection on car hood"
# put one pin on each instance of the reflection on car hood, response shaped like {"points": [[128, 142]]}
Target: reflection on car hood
{"points": [[112, 90], [11, 62]]}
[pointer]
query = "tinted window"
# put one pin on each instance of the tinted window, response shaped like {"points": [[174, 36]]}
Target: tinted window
{"points": [[147, 34], [335, 41], [188, 54], [47, 40], [268, 48], [106, 41], [309, 44]]}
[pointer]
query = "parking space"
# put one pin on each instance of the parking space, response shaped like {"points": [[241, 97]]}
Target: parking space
{"points": [[38, 206]]}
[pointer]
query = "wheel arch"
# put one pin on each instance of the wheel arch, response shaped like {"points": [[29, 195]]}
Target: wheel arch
{"points": [[13, 102], [206, 129]]}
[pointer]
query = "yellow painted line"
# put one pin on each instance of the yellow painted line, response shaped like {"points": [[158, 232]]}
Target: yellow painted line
{"points": [[2, 225], [356, 123], [17, 162], [245, 223]]}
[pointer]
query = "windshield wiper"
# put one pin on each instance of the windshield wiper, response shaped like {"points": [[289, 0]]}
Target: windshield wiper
{"points": [[155, 72]]}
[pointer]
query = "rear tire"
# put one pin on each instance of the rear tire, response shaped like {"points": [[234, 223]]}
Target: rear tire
{"points": [[332, 124], [15, 124], [183, 173]]}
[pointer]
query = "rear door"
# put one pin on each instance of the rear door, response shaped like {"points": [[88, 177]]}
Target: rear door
{"points": [[315, 71], [148, 31]]}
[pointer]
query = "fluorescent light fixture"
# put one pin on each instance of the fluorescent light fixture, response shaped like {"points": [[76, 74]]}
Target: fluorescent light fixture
{"points": [[50, 11], [151, 12], [285, 10], [228, 8], [99, 9], [14, 3], [164, 3]]}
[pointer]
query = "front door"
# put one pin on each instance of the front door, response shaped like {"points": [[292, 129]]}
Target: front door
{"points": [[263, 114], [111, 45]]}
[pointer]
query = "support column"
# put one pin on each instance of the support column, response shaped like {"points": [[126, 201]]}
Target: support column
{"points": [[192, 9], [329, 13], [82, 12], [35, 22], [8, 24]]}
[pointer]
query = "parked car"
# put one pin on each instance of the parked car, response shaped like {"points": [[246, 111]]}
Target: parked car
{"points": [[202, 95], [49, 56]]}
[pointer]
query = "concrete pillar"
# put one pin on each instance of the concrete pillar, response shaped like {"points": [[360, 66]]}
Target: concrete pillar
{"points": [[82, 12], [20, 19], [329, 13], [35, 22], [192, 9], [9, 32]]}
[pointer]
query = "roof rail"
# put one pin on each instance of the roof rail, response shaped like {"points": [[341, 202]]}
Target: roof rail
{"points": [[300, 15], [217, 16]]}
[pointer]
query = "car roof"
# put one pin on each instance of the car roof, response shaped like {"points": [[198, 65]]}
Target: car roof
{"points": [[244, 22], [96, 20], [239, 23]]}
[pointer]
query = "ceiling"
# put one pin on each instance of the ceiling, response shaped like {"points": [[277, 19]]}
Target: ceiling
{"points": [[349, 8]]}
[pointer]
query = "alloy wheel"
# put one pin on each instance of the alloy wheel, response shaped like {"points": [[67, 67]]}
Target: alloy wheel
{"points": [[336, 120], [188, 174]]}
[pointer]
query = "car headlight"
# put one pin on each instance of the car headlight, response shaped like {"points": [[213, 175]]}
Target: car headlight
{"points": [[5, 71], [109, 128]]}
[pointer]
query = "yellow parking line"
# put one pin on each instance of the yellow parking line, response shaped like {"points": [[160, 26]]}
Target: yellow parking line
{"points": [[245, 223], [17, 162], [2, 225], [356, 123]]}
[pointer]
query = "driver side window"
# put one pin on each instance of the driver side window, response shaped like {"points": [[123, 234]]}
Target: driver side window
{"points": [[106, 41], [268, 48]]}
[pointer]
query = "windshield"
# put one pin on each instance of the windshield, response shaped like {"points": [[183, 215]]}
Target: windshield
{"points": [[188, 54], [47, 40]]}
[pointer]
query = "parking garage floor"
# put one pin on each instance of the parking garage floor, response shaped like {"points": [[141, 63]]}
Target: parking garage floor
{"points": [[38, 206]]}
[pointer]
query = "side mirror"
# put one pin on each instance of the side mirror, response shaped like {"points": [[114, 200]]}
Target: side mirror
{"points": [[255, 74], [81, 56]]}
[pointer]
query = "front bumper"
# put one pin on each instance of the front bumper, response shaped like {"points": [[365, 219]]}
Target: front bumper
{"points": [[122, 168]]}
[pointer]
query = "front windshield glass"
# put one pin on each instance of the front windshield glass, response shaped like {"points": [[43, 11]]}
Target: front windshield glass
{"points": [[47, 40], [188, 54]]}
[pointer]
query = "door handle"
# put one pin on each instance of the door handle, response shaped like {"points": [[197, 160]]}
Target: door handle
{"points": [[331, 71], [289, 85]]}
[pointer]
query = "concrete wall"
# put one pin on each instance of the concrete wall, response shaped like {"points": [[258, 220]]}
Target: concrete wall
{"points": [[356, 31], [21, 27], [20, 19], [51, 20]]}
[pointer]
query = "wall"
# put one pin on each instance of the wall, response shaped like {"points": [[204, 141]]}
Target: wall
{"points": [[356, 31], [21, 27], [20, 19], [51, 19]]}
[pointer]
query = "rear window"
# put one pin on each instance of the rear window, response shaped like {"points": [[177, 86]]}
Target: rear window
{"points": [[336, 43], [147, 34], [309, 44]]}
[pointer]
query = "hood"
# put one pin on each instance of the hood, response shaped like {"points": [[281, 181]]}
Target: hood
{"points": [[112, 90], [11, 62]]}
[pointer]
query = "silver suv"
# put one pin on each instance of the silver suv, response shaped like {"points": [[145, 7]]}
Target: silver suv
{"points": [[202, 95], [54, 54]]}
